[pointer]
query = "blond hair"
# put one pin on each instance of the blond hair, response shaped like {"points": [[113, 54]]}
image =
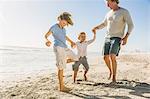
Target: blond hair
{"points": [[117, 1]]}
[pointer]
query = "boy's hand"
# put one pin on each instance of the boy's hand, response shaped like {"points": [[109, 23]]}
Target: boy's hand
{"points": [[73, 45], [48, 43], [94, 32]]}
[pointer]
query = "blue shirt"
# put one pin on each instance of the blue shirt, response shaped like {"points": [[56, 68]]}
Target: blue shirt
{"points": [[59, 35]]}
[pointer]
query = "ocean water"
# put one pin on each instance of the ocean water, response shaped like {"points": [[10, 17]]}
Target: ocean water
{"points": [[16, 62]]}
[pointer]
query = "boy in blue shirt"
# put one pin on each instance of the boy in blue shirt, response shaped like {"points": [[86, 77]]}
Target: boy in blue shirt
{"points": [[60, 48]]}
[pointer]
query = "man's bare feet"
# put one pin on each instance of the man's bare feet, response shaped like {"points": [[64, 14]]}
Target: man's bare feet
{"points": [[65, 89], [110, 74], [112, 83], [114, 79]]}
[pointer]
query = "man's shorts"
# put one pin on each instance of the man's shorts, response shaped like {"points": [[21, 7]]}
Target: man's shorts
{"points": [[83, 61], [112, 46], [61, 56]]}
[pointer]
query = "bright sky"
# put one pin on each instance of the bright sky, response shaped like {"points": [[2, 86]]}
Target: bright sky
{"points": [[24, 22]]}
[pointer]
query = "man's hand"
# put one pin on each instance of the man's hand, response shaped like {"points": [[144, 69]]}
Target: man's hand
{"points": [[124, 41], [48, 43]]}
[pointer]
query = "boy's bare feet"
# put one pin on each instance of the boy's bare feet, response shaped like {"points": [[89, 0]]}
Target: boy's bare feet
{"points": [[65, 89], [85, 78]]}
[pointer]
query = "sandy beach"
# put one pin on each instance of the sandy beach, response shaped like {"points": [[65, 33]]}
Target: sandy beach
{"points": [[133, 82]]}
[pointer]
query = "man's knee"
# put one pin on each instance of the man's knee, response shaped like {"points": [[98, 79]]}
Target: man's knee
{"points": [[113, 57], [106, 57]]}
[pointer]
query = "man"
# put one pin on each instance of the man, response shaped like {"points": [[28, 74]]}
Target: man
{"points": [[115, 21]]}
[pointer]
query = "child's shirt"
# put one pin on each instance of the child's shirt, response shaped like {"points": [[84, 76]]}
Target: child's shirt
{"points": [[59, 35], [82, 47]]}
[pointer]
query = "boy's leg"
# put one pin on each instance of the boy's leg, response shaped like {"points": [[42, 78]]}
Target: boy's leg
{"points": [[61, 64], [70, 60], [86, 66], [60, 77], [85, 77], [61, 82], [74, 76], [75, 68], [71, 55]]}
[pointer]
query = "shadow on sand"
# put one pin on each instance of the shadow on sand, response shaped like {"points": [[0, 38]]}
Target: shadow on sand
{"points": [[137, 89]]}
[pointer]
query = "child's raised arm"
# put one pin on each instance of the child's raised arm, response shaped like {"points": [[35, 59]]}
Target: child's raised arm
{"points": [[48, 42], [92, 40]]}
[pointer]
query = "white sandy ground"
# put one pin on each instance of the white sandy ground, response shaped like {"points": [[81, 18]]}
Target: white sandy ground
{"points": [[133, 82]]}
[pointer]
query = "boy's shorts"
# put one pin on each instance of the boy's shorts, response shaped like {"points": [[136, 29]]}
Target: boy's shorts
{"points": [[61, 56], [83, 61], [112, 46]]}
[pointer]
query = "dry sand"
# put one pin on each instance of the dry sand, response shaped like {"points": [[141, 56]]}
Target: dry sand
{"points": [[133, 82]]}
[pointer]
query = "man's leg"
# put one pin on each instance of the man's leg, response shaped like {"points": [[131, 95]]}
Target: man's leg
{"points": [[108, 63], [114, 66], [106, 52], [114, 51]]}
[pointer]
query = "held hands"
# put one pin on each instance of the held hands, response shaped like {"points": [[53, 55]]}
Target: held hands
{"points": [[73, 45], [94, 30], [48, 43]]}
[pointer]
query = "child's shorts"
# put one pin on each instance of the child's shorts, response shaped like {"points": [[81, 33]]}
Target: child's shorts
{"points": [[83, 61], [61, 56]]}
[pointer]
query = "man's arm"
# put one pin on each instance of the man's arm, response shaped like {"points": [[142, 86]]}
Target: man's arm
{"points": [[101, 26], [129, 22]]}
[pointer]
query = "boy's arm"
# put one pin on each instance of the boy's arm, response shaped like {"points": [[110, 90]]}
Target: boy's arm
{"points": [[92, 40], [48, 42], [70, 41]]}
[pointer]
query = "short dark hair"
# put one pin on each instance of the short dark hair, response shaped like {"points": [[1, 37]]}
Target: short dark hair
{"points": [[82, 33]]}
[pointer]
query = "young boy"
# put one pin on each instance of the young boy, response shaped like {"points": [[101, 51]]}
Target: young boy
{"points": [[60, 48], [82, 53]]}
